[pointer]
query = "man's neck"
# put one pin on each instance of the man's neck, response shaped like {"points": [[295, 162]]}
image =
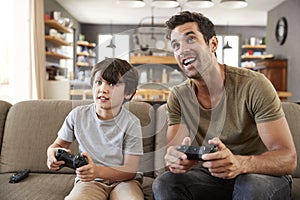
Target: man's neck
{"points": [[210, 88]]}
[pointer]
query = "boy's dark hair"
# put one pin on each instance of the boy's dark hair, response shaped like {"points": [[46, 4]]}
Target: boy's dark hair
{"points": [[114, 70], [205, 26]]}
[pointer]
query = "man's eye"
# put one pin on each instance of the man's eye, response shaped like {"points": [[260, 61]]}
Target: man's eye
{"points": [[112, 84], [175, 46], [190, 40]]}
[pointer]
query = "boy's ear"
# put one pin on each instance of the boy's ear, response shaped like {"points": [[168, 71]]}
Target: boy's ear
{"points": [[128, 97]]}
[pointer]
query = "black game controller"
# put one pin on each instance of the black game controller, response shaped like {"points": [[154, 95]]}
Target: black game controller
{"points": [[71, 161], [196, 152]]}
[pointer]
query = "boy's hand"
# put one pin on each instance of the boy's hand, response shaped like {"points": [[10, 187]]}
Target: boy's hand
{"points": [[86, 173], [52, 163]]}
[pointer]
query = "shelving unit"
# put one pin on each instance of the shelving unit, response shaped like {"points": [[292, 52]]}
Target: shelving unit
{"points": [[54, 45], [59, 60], [86, 53], [85, 59], [251, 53]]}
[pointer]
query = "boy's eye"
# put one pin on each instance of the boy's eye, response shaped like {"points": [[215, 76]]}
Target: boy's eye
{"points": [[98, 82]]}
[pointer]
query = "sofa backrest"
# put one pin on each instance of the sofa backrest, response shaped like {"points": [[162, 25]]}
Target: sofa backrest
{"points": [[31, 126], [146, 113], [4, 107], [292, 114]]}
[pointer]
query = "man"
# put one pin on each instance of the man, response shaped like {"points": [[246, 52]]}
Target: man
{"points": [[235, 109]]}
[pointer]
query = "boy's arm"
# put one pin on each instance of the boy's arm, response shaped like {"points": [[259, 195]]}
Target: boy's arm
{"points": [[118, 173]]}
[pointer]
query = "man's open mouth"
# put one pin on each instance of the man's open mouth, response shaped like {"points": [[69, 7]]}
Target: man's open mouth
{"points": [[188, 61]]}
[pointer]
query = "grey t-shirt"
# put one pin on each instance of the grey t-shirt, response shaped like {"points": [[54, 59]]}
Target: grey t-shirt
{"points": [[249, 98], [107, 141]]}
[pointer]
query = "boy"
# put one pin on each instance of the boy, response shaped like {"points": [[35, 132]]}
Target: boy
{"points": [[108, 135]]}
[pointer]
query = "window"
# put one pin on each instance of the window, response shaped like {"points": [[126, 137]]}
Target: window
{"points": [[228, 56], [121, 50]]}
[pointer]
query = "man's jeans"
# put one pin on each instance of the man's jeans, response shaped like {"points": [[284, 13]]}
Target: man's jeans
{"points": [[199, 184]]}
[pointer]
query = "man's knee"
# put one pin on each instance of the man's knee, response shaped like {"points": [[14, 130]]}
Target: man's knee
{"points": [[258, 186]]}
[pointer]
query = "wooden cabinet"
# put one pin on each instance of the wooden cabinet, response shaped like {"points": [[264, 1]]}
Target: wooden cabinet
{"points": [[276, 71]]}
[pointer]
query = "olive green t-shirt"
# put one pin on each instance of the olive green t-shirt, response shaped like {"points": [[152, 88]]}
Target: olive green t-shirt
{"points": [[249, 98]]}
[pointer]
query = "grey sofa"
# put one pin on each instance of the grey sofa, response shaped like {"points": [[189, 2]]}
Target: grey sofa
{"points": [[27, 128]]}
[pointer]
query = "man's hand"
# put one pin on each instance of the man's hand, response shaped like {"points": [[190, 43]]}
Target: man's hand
{"points": [[177, 161], [86, 173], [223, 163]]}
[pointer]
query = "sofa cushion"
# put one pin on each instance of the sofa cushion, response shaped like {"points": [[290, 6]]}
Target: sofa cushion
{"points": [[37, 186], [292, 113], [31, 126], [4, 107], [145, 113], [160, 140]]}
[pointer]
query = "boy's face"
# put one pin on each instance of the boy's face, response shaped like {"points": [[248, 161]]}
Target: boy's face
{"points": [[108, 96]]}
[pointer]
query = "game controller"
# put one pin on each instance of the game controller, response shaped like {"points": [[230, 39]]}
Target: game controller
{"points": [[71, 161], [196, 152]]}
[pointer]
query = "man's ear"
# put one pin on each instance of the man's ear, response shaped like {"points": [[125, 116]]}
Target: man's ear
{"points": [[213, 43]]}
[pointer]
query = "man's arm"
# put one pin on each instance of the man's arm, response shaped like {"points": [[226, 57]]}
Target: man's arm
{"points": [[280, 159]]}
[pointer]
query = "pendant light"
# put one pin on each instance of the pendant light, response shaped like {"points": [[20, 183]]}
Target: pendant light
{"points": [[234, 3], [199, 3], [165, 3], [227, 46], [111, 44], [132, 3]]}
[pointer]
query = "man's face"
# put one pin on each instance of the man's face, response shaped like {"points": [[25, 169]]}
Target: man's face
{"points": [[191, 52]]}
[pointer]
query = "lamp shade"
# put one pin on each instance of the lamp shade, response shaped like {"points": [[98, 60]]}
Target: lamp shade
{"points": [[234, 3], [199, 3], [165, 3], [132, 3], [111, 44], [227, 46]]}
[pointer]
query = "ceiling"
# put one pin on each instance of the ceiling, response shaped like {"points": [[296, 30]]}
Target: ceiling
{"points": [[108, 11]]}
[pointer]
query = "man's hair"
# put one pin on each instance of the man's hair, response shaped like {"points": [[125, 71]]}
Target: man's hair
{"points": [[205, 26], [114, 70]]}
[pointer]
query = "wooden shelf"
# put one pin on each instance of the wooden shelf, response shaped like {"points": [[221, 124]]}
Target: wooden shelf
{"points": [[56, 55], [152, 60], [56, 41], [83, 64], [86, 44], [254, 46], [82, 54], [54, 24], [257, 57]]}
